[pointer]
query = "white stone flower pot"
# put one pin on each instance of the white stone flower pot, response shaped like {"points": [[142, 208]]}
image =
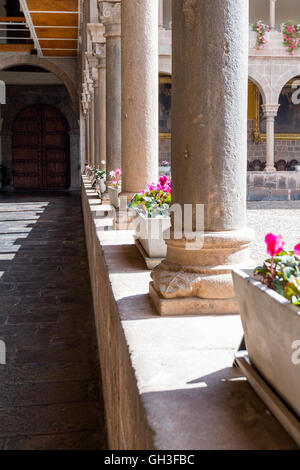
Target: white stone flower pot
{"points": [[297, 167], [114, 196], [272, 329], [102, 185], [150, 234], [97, 186]]}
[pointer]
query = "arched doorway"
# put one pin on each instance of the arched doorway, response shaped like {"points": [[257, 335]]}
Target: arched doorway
{"points": [[41, 149]]}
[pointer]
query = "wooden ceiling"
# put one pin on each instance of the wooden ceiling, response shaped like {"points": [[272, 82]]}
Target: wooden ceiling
{"points": [[54, 26]]}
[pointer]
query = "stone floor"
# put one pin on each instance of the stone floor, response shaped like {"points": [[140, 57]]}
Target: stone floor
{"points": [[49, 387]]}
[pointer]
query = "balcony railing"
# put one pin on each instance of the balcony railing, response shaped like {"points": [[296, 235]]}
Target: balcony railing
{"points": [[14, 34]]}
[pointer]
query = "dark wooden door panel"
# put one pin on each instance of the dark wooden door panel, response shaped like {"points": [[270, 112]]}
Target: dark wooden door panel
{"points": [[41, 149]]}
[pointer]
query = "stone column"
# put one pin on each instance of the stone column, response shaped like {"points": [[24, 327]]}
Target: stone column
{"points": [[75, 159], [82, 136], [139, 95], [92, 124], [96, 31], [273, 14], [110, 17], [92, 81], [101, 55], [209, 159], [161, 14], [93, 73], [270, 112]]}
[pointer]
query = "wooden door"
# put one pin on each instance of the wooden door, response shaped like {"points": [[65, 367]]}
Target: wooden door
{"points": [[41, 149]]}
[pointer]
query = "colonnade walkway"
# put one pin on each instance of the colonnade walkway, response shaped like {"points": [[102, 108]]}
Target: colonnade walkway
{"points": [[49, 387]]}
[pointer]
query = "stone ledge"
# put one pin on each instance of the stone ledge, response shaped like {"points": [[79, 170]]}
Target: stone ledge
{"points": [[168, 383], [279, 186]]}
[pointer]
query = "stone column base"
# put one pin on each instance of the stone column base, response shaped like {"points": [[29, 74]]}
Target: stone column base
{"points": [[196, 277], [192, 305], [270, 169]]}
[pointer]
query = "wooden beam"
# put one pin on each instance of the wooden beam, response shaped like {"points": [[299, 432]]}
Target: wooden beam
{"points": [[54, 19], [59, 44], [52, 5], [62, 33], [55, 53], [13, 19], [16, 47]]}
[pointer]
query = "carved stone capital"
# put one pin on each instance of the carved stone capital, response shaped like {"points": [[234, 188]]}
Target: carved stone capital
{"points": [[110, 16], [270, 110], [100, 54], [96, 32]]}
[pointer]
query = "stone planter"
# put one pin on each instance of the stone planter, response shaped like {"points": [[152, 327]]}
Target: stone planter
{"points": [[114, 196], [102, 185], [297, 167], [150, 234], [272, 327]]}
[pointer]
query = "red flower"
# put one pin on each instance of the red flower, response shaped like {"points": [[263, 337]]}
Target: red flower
{"points": [[274, 243], [297, 250]]}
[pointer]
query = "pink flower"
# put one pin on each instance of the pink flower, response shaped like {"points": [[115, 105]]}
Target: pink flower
{"points": [[274, 243], [163, 179], [118, 171], [103, 162], [297, 250], [112, 174]]}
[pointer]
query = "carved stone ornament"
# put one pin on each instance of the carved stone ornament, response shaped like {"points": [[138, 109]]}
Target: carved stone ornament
{"points": [[110, 12], [96, 32]]}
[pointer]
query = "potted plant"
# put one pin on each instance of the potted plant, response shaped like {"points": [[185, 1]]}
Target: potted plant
{"points": [[114, 188], [89, 171], [261, 30], [269, 301], [99, 179], [165, 168], [153, 217]]}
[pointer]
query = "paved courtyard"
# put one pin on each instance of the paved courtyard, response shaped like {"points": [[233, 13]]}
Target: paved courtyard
{"points": [[277, 217], [49, 389]]}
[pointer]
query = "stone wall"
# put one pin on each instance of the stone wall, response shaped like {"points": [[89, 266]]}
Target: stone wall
{"points": [[279, 186], [164, 150], [126, 420], [285, 150]]}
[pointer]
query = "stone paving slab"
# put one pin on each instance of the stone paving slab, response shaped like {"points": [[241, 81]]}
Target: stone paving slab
{"points": [[50, 387]]}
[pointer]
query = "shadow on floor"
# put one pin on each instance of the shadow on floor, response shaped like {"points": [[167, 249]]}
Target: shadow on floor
{"points": [[50, 390]]}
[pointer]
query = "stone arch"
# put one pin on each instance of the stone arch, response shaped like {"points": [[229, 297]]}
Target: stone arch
{"points": [[282, 80], [62, 106], [65, 107], [35, 61], [261, 85]]}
